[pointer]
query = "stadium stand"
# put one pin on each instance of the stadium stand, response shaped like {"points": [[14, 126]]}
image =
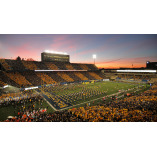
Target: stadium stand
{"points": [[56, 77], [95, 75], [51, 66], [81, 76], [60, 65], [7, 80], [84, 67], [15, 65], [32, 78], [46, 78], [76, 66], [18, 78], [5, 64], [66, 77], [69, 67], [29, 65], [92, 67], [40, 66], [20, 73]]}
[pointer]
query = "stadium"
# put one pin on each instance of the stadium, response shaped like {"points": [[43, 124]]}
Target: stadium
{"points": [[55, 90]]}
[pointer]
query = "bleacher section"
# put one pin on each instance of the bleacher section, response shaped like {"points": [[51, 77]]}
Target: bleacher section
{"points": [[60, 65], [7, 80], [46, 78], [20, 65], [19, 79], [33, 78], [20, 73], [51, 66], [95, 75], [66, 77], [81, 76], [15, 65], [84, 67], [92, 67], [69, 67], [55, 77], [29, 65], [5, 64], [76, 66], [40, 66]]}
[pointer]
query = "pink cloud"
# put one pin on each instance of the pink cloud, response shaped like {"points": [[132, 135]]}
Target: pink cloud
{"points": [[24, 51]]}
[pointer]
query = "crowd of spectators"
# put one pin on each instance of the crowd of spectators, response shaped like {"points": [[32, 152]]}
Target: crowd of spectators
{"points": [[66, 77], [97, 77], [35, 65], [30, 65], [6, 98], [19, 79], [69, 66], [81, 76], [134, 77], [4, 64], [27, 108], [20, 73], [47, 79]]}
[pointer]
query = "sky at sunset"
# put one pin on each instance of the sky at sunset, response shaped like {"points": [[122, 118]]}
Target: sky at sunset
{"points": [[112, 51]]}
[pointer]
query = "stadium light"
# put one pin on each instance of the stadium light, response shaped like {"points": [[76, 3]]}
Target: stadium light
{"points": [[55, 52], [94, 57]]}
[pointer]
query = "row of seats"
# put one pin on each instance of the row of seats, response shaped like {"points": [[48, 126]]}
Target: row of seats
{"points": [[5, 64], [18, 78], [65, 77], [45, 78], [34, 65], [95, 75], [31, 78], [81, 76], [51, 66], [30, 65]]}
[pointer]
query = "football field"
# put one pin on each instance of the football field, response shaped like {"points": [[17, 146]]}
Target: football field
{"points": [[75, 95]]}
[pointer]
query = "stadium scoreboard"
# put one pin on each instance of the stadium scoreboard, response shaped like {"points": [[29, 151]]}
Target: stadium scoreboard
{"points": [[49, 57]]}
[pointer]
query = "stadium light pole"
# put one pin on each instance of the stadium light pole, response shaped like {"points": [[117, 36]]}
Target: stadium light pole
{"points": [[94, 57]]}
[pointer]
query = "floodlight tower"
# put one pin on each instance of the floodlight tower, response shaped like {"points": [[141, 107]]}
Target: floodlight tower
{"points": [[94, 57]]}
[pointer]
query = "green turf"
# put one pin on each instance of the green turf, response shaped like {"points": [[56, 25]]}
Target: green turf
{"points": [[113, 87]]}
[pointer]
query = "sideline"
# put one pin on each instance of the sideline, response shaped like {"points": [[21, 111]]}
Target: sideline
{"points": [[48, 102]]}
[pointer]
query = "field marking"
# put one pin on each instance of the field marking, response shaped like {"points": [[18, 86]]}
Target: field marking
{"points": [[50, 105], [47, 102], [94, 100], [86, 101]]}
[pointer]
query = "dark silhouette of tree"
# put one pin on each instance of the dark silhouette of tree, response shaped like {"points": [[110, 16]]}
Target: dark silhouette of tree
{"points": [[18, 58]]}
